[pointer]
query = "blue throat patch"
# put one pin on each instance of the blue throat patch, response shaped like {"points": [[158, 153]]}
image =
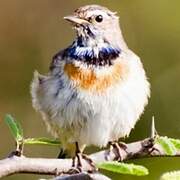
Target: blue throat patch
{"points": [[79, 52], [104, 56]]}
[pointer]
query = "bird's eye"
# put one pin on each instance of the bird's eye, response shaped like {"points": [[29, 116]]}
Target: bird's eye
{"points": [[99, 18]]}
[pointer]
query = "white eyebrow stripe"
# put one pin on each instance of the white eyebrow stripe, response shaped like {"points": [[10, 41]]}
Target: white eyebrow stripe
{"points": [[97, 12]]}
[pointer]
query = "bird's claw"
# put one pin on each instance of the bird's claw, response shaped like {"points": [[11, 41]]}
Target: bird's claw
{"points": [[90, 162], [149, 146], [74, 170], [77, 163], [116, 148]]}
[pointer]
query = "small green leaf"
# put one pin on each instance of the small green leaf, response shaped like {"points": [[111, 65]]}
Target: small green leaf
{"points": [[167, 145], [176, 143], [171, 175], [124, 168], [42, 141], [20, 130], [15, 127]]}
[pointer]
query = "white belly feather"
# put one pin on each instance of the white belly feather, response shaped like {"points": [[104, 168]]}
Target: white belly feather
{"points": [[88, 118]]}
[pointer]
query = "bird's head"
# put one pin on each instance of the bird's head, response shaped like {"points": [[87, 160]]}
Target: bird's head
{"points": [[96, 25]]}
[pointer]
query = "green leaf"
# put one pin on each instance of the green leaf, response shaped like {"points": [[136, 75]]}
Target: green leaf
{"points": [[42, 141], [124, 168], [168, 147], [15, 127], [176, 143], [171, 175]]}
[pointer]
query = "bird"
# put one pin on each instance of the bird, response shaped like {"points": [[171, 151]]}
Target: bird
{"points": [[96, 88]]}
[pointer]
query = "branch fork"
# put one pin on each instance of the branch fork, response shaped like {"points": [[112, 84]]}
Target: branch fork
{"points": [[16, 162]]}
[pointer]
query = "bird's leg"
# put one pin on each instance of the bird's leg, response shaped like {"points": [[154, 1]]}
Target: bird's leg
{"points": [[77, 166], [90, 162], [77, 160], [116, 148], [62, 154]]}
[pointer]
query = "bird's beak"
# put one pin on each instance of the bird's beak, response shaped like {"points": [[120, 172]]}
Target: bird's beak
{"points": [[76, 20]]}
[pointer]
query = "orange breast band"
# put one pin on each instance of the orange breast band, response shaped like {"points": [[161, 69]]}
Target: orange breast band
{"points": [[88, 79]]}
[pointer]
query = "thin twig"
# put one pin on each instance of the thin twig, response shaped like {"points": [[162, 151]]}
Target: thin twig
{"points": [[14, 164], [153, 128]]}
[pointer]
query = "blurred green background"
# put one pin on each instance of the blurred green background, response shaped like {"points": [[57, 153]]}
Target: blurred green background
{"points": [[31, 32]]}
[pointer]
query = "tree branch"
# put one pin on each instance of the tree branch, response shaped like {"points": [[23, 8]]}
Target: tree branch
{"points": [[15, 164]]}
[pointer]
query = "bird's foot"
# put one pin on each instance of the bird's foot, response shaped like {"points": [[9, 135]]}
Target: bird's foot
{"points": [[149, 146], [117, 148], [77, 163], [90, 163]]}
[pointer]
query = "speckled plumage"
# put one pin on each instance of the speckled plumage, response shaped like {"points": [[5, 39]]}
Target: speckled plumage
{"points": [[96, 89]]}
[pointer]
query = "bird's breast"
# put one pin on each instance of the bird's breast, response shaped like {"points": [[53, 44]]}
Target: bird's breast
{"points": [[96, 79]]}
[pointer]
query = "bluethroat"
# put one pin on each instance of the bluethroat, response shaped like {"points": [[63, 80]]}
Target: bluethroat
{"points": [[96, 88]]}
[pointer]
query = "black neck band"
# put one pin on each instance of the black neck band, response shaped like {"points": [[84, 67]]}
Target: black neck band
{"points": [[104, 56]]}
